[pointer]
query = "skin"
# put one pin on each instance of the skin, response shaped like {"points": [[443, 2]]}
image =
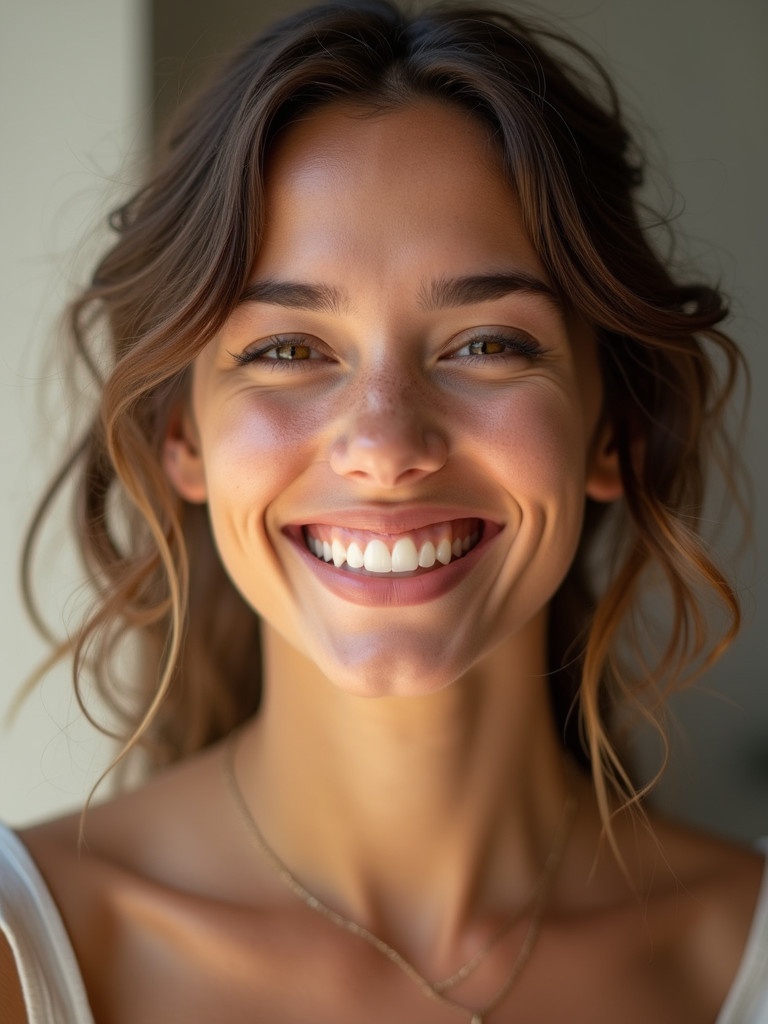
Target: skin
{"points": [[404, 764], [390, 415]]}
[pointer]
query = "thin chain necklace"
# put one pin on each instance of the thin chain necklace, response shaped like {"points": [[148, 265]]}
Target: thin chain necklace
{"points": [[433, 990]]}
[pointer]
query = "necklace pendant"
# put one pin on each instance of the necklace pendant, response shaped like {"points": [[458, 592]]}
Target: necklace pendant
{"points": [[476, 1019]]}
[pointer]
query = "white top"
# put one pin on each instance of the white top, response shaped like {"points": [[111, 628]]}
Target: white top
{"points": [[53, 987], [54, 992]]}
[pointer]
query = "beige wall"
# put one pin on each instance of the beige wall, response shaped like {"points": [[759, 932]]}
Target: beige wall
{"points": [[71, 107]]}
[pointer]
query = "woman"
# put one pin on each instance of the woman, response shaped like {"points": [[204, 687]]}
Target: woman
{"points": [[402, 412]]}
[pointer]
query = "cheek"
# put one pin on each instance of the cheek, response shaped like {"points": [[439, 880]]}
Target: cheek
{"points": [[536, 437], [253, 450], [257, 448], [254, 445]]}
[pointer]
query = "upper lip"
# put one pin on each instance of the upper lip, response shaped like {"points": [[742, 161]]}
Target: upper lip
{"points": [[392, 520]]}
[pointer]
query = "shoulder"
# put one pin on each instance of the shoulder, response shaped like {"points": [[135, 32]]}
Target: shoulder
{"points": [[172, 832], [141, 839], [151, 886], [739, 920], [146, 863], [711, 897], [722, 878], [667, 924]]}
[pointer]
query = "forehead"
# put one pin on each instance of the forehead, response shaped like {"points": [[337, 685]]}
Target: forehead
{"points": [[424, 179], [396, 138]]}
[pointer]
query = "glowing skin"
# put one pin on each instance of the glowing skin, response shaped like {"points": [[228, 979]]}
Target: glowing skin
{"points": [[380, 405]]}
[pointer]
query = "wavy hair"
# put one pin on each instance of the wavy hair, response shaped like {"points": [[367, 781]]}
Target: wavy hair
{"points": [[184, 248]]}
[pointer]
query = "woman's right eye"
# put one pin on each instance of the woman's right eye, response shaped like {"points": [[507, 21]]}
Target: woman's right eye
{"points": [[283, 349]]}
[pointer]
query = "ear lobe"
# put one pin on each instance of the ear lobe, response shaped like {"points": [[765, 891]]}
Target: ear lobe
{"points": [[182, 459], [604, 470]]}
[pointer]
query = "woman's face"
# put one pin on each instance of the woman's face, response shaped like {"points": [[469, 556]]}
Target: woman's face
{"points": [[401, 392]]}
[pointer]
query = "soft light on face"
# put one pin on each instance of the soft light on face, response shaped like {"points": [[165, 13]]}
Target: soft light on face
{"points": [[396, 427]]}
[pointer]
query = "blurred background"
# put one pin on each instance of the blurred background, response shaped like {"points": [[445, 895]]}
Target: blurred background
{"points": [[83, 88]]}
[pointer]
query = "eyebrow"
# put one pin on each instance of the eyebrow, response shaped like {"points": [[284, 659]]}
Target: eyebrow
{"points": [[464, 291], [319, 298], [441, 293]]}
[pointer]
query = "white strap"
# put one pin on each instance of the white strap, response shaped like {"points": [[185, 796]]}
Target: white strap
{"points": [[50, 977]]}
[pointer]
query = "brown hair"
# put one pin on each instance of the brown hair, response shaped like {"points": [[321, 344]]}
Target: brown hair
{"points": [[185, 245]]}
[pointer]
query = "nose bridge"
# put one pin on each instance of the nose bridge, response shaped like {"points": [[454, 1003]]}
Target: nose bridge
{"points": [[387, 396], [389, 432]]}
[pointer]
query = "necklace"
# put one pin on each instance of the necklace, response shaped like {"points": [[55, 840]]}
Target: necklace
{"points": [[432, 990]]}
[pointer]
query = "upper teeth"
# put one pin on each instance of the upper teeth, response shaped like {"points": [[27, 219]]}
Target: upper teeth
{"points": [[403, 556]]}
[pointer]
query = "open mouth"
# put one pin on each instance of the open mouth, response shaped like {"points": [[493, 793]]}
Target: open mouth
{"points": [[414, 552]]}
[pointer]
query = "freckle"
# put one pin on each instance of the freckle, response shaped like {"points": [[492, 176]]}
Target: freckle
{"points": [[388, 390]]}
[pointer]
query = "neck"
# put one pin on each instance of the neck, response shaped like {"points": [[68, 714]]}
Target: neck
{"points": [[397, 810]]}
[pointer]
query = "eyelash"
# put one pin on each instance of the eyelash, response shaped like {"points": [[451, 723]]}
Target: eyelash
{"points": [[514, 347], [273, 343]]}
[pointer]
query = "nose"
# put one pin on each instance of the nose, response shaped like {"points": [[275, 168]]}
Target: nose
{"points": [[389, 438]]}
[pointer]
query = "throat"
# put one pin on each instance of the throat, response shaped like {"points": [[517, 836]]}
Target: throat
{"points": [[399, 809]]}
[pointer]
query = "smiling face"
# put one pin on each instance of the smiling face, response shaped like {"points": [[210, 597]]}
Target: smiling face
{"points": [[396, 429]]}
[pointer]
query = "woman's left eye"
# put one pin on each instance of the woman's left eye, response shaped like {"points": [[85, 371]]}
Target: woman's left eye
{"points": [[289, 351], [284, 349], [484, 346]]}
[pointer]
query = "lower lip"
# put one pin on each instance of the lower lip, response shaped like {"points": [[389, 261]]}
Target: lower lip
{"points": [[387, 590]]}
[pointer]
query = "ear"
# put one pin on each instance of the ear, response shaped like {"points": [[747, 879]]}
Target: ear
{"points": [[182, 458], [603, 469]]}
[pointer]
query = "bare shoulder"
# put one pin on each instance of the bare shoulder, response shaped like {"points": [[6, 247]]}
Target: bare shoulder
{"points": [[170, 834], [150, 867], [11, 997], [136, 831], [665, 935], [724, 876], [706, 896]]}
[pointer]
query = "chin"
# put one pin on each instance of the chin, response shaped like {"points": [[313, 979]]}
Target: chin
{"points": [[368, 668]]}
